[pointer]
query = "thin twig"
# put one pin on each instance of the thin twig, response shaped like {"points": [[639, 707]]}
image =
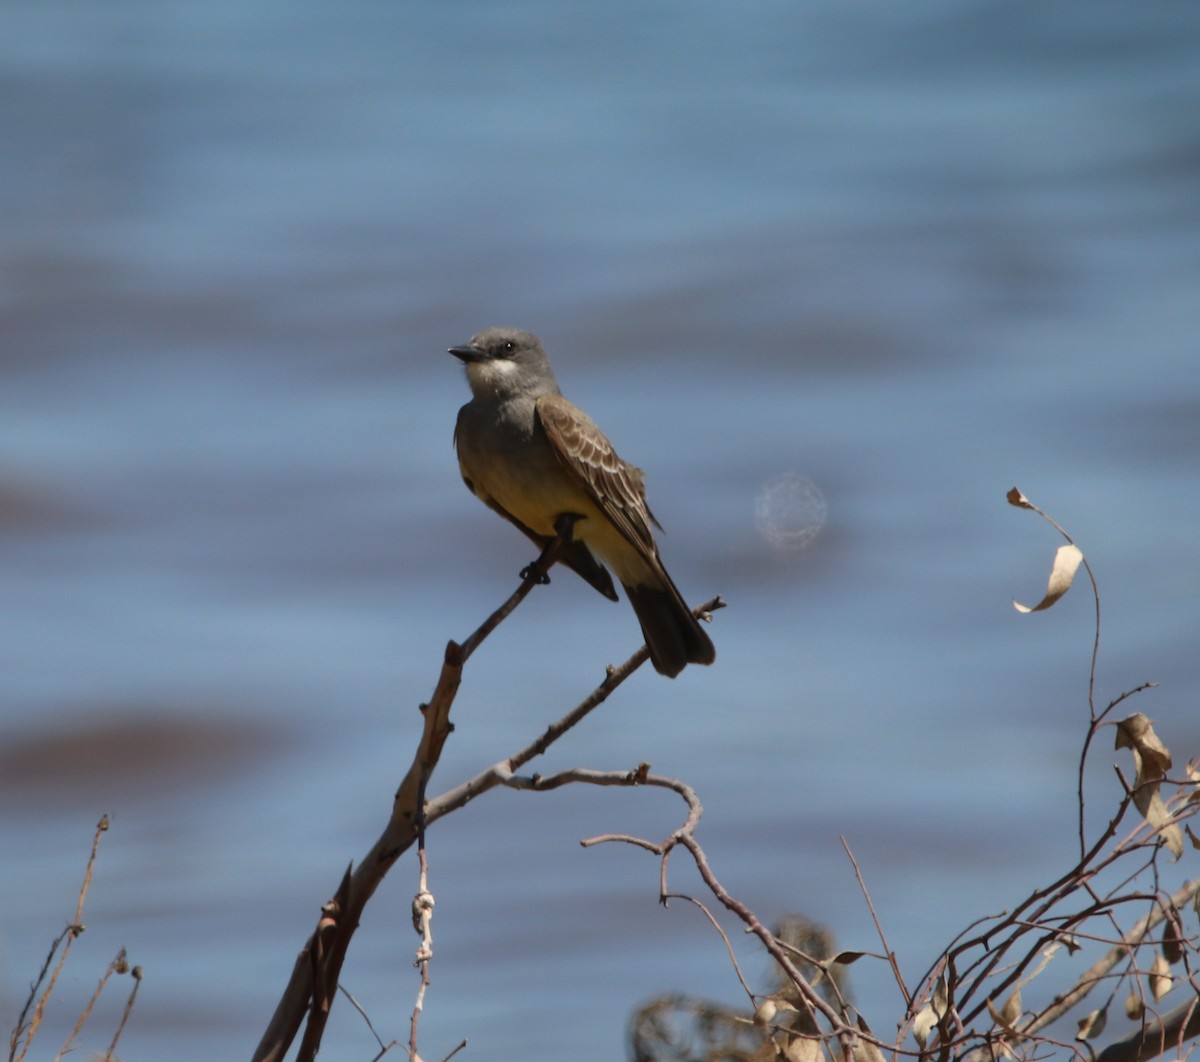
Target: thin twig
{"points": [[136, 973], [118, 965], [64, 940], [684, 837], [383, 1048], [887, 950], [1095, 973], [536, 574], [733, 960], [502, 772], [422, 908]]}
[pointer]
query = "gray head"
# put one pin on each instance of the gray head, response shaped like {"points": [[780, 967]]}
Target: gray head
{"points": [[503, 363]]}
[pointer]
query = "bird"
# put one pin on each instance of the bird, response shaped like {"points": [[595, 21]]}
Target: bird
{"points": [[536, 459]]}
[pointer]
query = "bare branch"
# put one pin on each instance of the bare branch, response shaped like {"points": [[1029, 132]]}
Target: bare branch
{"points": [[1099, 969], [313, 983], [1158, 1036]]}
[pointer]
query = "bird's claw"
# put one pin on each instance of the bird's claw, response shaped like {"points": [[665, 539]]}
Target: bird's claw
{"points": [[527, 573]]}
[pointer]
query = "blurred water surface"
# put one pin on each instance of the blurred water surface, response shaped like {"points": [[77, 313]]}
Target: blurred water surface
{"points": [[905, 255]]}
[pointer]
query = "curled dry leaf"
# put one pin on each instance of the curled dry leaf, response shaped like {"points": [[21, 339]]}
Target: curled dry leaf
{"points": [[997, 1014], [941, 997], [1015, 497], [845, 958], [934, 1012], [867, 1052], [804, 1049], [1011, 1012], [1092, 1024], [1066, 564], [767, 1011], [1006, 1016], [1172, 937], [1137, 732], [923, 1025], [1152, 759], [1160, 978], [864, 1051], [1134, 1007]]}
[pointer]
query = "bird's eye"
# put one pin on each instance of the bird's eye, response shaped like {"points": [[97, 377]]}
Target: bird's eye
{"points": [[509, 347]]}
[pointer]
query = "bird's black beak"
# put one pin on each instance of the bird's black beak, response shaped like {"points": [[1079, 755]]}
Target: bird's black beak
{"points": [[467, 354]]}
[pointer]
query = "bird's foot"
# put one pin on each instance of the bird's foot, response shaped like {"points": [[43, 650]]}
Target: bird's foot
{"points": [[564, 527], [528, 572]]}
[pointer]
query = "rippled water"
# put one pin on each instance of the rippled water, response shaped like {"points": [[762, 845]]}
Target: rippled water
{"points": [[898, 257]]}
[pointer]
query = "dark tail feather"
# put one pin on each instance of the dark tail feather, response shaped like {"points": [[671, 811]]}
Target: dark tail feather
{"points": [[673, 635]]}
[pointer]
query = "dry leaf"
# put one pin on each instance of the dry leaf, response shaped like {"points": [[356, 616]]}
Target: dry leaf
{"points": [[1066, 563], [1011, 1011], [931, 1015], [765, 1012], [1015, 497], [1160, 978], [864, 1051], [1137, 732], [1007, 1015], [997, 1016], [1092, 1025], [769, 1052], [1134, 1007], [941, 997], [803, 1049], [770, 1008], [1172, 937], [845, 958], [923, 1025], [1152, 759]]}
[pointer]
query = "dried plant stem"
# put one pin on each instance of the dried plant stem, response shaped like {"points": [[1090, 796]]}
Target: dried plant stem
{"points": [[110, 1054], [118, 965], [26, 1029]]}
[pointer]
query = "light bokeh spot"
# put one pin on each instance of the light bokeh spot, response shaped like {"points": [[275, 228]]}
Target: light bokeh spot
{"points": [[790, 511]]}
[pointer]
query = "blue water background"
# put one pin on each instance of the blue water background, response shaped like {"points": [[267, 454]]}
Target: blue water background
{"points": [[910, 254]]}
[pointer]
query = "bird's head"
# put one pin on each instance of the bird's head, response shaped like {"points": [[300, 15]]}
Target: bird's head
{"points": [[504, 363]]}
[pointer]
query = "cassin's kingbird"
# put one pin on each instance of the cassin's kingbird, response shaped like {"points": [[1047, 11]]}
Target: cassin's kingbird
{"points": [[534, 458]]}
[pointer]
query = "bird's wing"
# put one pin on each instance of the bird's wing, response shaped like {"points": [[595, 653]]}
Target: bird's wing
{"points": [[616, 487]]}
